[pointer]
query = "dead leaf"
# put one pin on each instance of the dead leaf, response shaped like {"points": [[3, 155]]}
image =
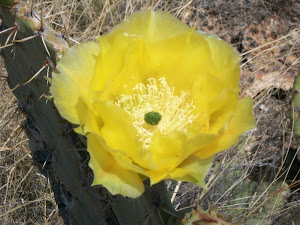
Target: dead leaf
{"points": [[266, 81]]}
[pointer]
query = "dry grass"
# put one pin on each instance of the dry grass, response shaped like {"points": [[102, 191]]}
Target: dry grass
{"points": [[249, 182]]}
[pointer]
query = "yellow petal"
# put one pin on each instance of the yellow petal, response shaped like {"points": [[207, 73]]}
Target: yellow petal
{"points": [[196, 142], [241, 121], [133, 54], [70, 84], [94, 127], [185, 58], [117, 129], [94, 124], [221, 110], [151, 26], [123, 48], [206, 89], [193, 169], [119, 134], [151, 48], [110, 62], [173, 149], [119, 155], [109, 173], [225, 62]]}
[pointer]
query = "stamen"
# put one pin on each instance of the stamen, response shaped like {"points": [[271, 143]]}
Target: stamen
{"points": [[153, 99]]}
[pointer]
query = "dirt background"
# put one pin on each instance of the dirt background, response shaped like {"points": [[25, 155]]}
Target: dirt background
{"points": [[247, 182]]}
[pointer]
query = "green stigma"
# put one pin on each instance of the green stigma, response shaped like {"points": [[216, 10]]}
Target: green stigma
{"points": [[152, 118]]}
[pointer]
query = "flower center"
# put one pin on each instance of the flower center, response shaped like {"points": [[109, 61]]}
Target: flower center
{"points": [[155, 106], [152, 118]]}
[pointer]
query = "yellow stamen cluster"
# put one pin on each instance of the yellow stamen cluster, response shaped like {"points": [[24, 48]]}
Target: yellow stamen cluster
{"points": [[176, 110]]}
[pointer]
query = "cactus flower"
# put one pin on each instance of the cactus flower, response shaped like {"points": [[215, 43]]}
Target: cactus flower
{"points": [[155, 99]]}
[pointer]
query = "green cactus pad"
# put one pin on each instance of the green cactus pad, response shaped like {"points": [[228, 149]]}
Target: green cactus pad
{"points": [[6, 2], [295, 112]]}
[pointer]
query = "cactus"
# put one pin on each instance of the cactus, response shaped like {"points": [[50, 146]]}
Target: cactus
{"points": [[295, 113], [30, 49], [7, 2]]}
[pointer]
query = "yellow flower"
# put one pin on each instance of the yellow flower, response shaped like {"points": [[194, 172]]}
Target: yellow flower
{"points": [[155, 99]]}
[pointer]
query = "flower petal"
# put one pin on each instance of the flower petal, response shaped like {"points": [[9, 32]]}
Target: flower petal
{"points": [[119, 134], [176, 147], [225, 62], [220, 110], [93, 126], [173, 149], [242, 120], [151, 26], [193, 169], [109, 173], [70, 85], [185, 58], [145, 26]]}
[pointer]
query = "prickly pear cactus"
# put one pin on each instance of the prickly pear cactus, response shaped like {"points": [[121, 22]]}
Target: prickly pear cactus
{"points": [[7, 2], [296, 107], [30, 49]]}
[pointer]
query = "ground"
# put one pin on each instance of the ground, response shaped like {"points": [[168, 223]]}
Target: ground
{"points": [[249, 182]]}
